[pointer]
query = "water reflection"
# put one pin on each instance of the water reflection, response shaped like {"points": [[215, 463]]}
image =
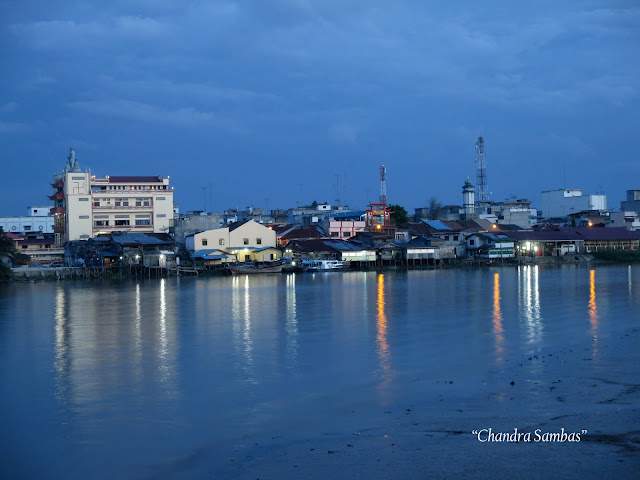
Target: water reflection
{"points": [[529, 301], [111, 338], [382, 346], [61, 362], [291, 321], [593, 310], [241, 320], [498, 330]]}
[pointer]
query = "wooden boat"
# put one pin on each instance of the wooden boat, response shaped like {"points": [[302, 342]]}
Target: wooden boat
{"points": [[251, 268]]}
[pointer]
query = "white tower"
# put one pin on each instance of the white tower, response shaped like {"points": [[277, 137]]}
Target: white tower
{"points": [[468, 197]]}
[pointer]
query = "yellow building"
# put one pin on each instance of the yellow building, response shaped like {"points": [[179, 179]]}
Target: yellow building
{"points": [[248, 241]]}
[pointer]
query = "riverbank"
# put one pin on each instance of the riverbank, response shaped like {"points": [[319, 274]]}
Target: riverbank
{"points": [[65, 273]]}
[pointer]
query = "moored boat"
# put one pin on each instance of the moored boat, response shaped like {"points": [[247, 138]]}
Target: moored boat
{"points": [[324, 265], [251, 268]]}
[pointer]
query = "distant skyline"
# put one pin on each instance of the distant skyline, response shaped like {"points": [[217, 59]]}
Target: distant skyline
{"points": [[284, 102]]}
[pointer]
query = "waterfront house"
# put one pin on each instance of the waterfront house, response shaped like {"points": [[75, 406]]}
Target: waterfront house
{"points": [[600, 238], [213, 257], [286, 233], [247, 240], [427, 251], [490, 245], [333, 250], [40, 248]]}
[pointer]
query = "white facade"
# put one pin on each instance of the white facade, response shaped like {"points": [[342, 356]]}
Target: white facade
{"points": [[37, 220], [249, 235], [564, 202], [111, 204]]}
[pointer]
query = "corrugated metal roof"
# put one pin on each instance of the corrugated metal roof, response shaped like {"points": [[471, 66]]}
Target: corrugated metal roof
{"points": [[340, 215], [436, 224], [206, 253], [139, 238]]}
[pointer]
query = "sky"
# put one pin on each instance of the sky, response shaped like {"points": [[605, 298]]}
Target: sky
{"points": [[282, 102]]}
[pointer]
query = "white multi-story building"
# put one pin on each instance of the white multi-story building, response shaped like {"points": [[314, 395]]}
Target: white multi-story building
{"points": [[37, 220], [86, 206], [564, 202]]}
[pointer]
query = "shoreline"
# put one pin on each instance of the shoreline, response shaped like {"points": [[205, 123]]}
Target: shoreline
{"points": [[31, 274]]}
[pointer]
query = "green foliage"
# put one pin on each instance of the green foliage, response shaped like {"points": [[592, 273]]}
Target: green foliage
{"points": [[398, 214], [617, 256]]}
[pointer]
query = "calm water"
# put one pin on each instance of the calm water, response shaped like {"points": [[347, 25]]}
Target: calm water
{"points": [[147, 379]]}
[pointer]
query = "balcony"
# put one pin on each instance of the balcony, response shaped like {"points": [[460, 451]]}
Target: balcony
{"points": [[120, 208], [121, 228]]}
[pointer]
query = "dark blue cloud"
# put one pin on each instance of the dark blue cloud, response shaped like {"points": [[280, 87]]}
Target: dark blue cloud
{"points": [[288, 92]]}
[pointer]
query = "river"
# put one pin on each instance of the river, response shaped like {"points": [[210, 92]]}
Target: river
{"points": [[213, 377]]}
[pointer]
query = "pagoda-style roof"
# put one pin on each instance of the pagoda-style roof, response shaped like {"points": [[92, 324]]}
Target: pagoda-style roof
{"points": [[57, 196]]}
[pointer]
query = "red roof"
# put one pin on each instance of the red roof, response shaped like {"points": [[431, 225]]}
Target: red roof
{"points": [[57, 196]]}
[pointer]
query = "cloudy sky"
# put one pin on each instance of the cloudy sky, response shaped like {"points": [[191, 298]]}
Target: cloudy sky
{"points": [[282, 102]]}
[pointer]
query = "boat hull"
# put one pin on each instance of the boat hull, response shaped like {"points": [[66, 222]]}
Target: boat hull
{"points": [[254, 269]]}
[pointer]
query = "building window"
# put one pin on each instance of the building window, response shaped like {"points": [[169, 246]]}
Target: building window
{"points": [[204, 242], [455, 238], [27, 228], [125, 203], [101, 223], [472, 243], [117, 203], [335, 234], [83, 199], [96, 204], [346, 234], [146, 203], [221, 241], [258, 241], [138, 203], [84, 217], [161, 198], [122, 223], [245, 241], [143, 222]]}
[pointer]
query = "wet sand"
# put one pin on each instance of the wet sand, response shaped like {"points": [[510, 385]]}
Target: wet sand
{"points": [[431, 436]]}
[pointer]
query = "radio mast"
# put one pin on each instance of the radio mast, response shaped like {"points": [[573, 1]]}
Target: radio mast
{"points": [[383, 185], [481, 178]]}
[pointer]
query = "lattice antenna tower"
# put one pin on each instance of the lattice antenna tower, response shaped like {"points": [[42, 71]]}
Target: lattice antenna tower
{"points": [[481, 176], [383, 184]]}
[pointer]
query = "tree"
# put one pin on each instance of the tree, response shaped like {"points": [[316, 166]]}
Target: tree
{"points": [[435, 208], [6, 252], [399, 214]]}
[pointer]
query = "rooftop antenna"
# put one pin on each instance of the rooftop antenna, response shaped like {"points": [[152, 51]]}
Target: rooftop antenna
{"points": [[383, 185], [337, 189], [481, 177]]}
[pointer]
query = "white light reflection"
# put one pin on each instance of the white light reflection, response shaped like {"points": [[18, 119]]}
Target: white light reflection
{"points": [[498, 329], [163, 343], [138, 335], [241, 318], [61, 362], [291, 322], [529, 301]]}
